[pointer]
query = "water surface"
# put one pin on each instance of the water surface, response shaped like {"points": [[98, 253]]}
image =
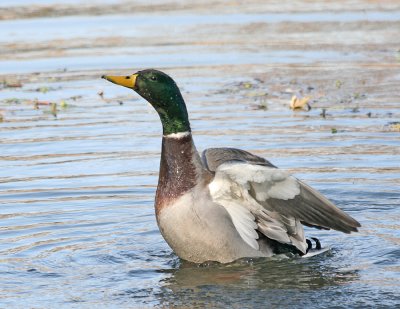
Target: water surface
{"points": [[77, 185]]}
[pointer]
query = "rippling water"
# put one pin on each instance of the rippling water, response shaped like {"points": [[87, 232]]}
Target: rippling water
{"points": [[77, 224]]}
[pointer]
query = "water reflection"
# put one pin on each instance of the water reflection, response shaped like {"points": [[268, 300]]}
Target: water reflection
{"points": [[189, 284]]}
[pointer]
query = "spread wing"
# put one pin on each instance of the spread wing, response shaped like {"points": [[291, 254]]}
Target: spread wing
{"points": [[259, 196]]}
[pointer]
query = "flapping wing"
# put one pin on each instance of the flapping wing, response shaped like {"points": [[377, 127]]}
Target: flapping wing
{"points": [[214, 157], [314, 210], [277, 201]]}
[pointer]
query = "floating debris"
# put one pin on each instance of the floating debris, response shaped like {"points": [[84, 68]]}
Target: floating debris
{"points": [[296, 103], [53, 109], [247, 85], [36, 103], [338, 84], [358, 96], [11, 84], [101, 94], [75, 97], [334, 130], [63, 104], [369, 114], [393, 126], [13, 101], [43, 89], [323, 113], [261, 106]]}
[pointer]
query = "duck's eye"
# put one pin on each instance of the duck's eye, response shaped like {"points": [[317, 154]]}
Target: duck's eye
{"points": [[153, 77]]}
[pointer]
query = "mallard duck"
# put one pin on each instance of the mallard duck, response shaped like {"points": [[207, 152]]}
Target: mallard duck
{"points": [[225, 203]]}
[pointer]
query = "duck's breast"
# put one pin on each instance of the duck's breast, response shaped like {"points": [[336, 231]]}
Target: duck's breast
{"points": [[199, 230]]}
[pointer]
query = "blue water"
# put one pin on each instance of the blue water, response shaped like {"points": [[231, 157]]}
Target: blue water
{"points": [[77, 224]]}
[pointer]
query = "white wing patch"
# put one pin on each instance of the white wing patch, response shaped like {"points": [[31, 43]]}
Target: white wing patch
{"points": [[230, 188], [228, 194], [268, 182], [244, 221]]}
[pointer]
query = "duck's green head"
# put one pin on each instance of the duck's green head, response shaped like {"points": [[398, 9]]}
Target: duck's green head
{"points": [[162, 93]]}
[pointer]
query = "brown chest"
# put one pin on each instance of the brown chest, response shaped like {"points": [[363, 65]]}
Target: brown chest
{"points": [[179, 170]]}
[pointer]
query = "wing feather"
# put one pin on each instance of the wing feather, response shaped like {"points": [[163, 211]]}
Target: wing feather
{"points": [[259, 196]]}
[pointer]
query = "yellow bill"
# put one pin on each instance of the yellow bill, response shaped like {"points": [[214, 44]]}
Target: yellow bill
{"points": [[126, 81]]}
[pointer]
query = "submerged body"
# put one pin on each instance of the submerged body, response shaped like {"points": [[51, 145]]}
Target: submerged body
{"points": [[227, 203]]}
